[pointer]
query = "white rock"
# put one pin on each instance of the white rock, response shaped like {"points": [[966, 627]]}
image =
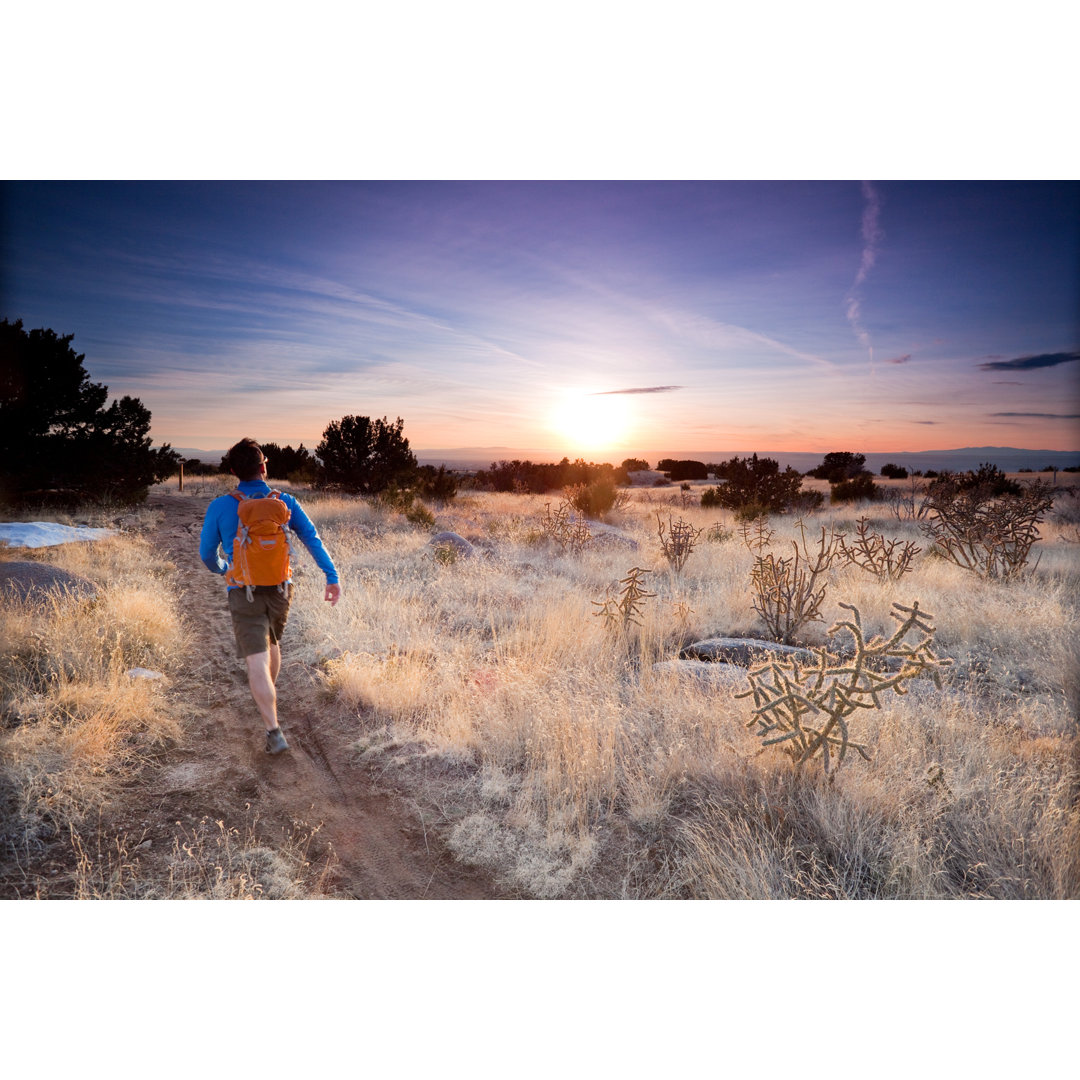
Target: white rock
{"points": [[144, 673]]}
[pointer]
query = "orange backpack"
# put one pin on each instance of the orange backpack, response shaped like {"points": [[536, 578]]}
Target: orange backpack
{"points": [[262, 546]]}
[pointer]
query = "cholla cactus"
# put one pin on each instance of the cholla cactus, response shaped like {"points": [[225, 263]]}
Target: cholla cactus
{"points": [[887, 560], [807, 708], [678, 543], [571, 535], [627, 610], [788, 592], [987, 533]]}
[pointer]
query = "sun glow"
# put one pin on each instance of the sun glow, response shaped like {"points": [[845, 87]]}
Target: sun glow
{"points": [[592, 422]]}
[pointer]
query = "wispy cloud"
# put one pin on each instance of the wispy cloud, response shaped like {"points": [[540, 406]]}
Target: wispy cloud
{"points": [[1028, 363], [871, 236], [1041, 415], [899, 359], [929, 422], [638, 390]]}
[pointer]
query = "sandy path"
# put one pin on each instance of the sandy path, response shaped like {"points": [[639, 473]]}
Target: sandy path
{"points": [[382, 846]]}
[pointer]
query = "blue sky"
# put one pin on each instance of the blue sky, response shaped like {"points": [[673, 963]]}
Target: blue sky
{"points": [[594, 318]]}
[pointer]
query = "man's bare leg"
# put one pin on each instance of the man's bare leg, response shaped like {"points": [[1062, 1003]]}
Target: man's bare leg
{"points": [[262, 669]]}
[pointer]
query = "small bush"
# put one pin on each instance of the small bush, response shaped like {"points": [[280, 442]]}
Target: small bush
{"points": [[854, 490], [806, 502], [596, 499], [419, 514]]}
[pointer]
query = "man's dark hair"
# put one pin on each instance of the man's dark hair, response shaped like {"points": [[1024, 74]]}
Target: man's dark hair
{"points": [[244, 459]]}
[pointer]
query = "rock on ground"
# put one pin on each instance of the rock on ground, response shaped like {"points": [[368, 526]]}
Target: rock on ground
{"points": [[745, 651], [35, 583], [455, 543]]}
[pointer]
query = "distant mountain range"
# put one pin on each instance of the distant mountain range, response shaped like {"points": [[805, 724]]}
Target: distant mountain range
{"points": [[1006, 458]]}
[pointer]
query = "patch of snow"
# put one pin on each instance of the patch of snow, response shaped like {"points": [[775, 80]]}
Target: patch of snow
{"points": [[35, 534]]}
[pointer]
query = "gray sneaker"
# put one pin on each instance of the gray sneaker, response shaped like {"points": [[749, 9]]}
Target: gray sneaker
{"points": [[275, 741]]}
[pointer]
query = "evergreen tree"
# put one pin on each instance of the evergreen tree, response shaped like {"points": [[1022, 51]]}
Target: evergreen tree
{"points": [[56, 435], [365, 456]]}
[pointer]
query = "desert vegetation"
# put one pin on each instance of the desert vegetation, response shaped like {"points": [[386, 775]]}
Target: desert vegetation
{"points": [[528, 689], [586, 764]]}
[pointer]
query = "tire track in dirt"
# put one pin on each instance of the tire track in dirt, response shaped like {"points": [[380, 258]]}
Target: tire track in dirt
{"points": [[382, 848]]}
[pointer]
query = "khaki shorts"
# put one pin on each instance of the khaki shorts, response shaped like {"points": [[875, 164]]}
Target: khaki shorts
{"points": [[258, 623]]}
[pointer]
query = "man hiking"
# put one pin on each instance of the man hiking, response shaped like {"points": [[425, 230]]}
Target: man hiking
{"points": [[253, 527]]}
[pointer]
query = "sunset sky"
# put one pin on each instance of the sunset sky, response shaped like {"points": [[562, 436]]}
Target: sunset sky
{"points": [[592, 318]]}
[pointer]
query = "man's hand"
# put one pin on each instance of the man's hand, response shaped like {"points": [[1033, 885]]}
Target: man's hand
{"points": [[333, 594]]}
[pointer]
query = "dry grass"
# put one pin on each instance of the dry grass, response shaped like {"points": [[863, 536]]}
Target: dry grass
{"points": [[208, 861], [573, 767], [590, 774], [73, 721]]}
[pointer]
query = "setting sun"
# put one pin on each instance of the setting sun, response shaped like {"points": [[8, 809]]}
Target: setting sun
{"points": [[592, 422]]}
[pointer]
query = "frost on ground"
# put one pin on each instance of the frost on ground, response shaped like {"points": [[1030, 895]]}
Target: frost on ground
{"points": [[37, 534]]}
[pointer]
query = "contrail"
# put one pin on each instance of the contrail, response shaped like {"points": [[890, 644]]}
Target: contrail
{"points": [[871, 235]]}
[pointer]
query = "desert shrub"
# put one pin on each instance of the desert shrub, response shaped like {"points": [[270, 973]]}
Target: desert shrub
{"points": [[907, 503], [635, 465], [677, 541], [683, 470], [439, 485], [888, 560], [987, 481], [561, 526], [786, 695], [854, 490], [419, 514], [838, 466], [788, 592], [717, 534], [806, 502], [989, 535], [894, 472], [751, 512], [756, 483], [597, 498]]}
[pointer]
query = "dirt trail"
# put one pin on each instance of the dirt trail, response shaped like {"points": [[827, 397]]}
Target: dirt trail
{"points": [[382, 847]]}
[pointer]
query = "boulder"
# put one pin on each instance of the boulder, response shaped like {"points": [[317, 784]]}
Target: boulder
{"points": [[453, 542], [745, 651], [607, 536], [36, 584]]}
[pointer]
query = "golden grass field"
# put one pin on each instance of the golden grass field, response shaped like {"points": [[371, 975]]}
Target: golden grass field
{"points": [[567, 766]]}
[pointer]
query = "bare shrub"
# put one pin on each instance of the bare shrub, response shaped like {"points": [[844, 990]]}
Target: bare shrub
{"points": [[989, 534], [785, 694], [879, 556], [788, 592], [677, 541], [907, 503]]}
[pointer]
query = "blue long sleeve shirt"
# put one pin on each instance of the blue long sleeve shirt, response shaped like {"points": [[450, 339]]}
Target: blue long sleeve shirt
{"points": [[223, 520]]}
